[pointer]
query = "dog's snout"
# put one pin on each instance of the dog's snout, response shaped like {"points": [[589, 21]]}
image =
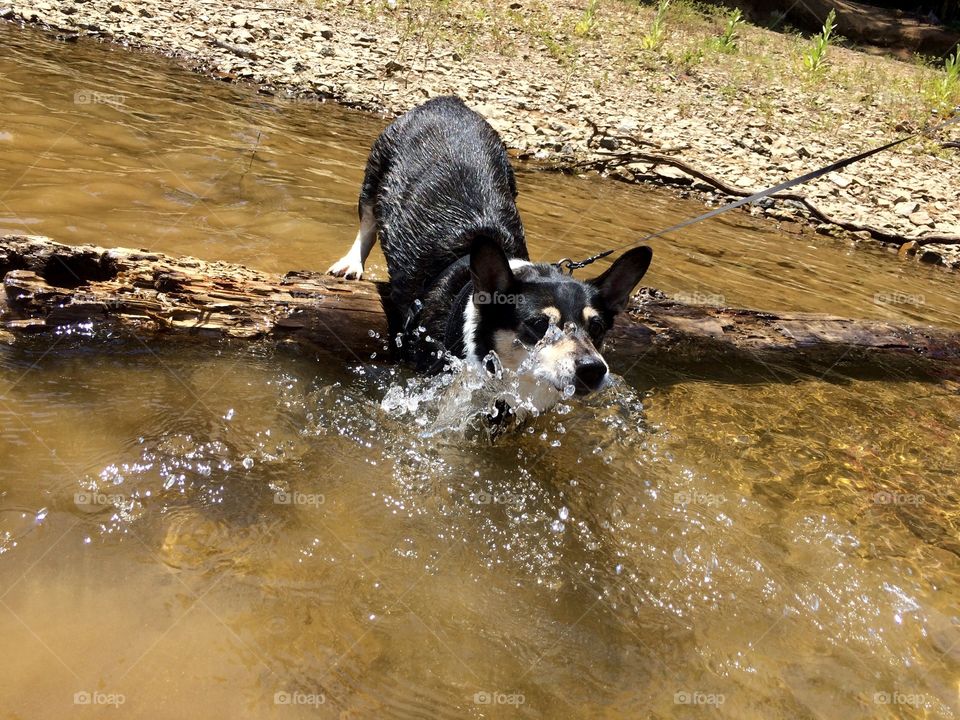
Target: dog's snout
{"points": [[590, 372]]}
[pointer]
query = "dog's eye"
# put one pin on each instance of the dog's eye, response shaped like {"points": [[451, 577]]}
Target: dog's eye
{"points": [[596, 329], [537, 327]]}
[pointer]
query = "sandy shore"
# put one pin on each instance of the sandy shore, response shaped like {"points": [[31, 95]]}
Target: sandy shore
{"points": [[745, 124]]}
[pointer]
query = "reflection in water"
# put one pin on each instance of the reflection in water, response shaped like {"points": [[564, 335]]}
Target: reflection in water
{"points": [[258, 534]]}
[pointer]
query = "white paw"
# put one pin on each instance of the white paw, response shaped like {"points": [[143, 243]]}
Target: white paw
{"points": [[347, 267]]}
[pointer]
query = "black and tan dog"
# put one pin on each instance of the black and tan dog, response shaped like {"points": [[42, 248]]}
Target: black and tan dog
{"points": [[440, 194]]}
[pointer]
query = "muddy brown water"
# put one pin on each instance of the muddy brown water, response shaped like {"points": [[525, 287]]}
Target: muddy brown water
{"points": [[241, 532]]}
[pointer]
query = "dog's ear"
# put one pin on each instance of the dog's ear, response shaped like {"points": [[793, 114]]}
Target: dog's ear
{"points": [[489, 266], [616, 284]]}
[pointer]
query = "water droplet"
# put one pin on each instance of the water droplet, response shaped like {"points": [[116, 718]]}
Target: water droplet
{"points": [[229, 415], [248, 462], [564, 512], [557, 526], [398, 340]]}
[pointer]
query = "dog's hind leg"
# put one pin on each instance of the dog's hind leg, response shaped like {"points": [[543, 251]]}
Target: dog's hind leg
{"points": [[350, 266]]}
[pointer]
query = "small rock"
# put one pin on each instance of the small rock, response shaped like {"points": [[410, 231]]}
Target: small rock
{"points": [[839, 180], [668, 172], [144, 13], [6, 13], [921, 217], [906, 209], [116, 8], [928, 256], [609, 143], [239, 21], [326, 32], [908, 248]]}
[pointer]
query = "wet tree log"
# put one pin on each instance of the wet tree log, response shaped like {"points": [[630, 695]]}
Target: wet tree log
{"points": [[48, 285]]}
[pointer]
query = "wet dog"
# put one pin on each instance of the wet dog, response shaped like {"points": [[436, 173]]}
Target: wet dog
{"points": [[440, 193]]}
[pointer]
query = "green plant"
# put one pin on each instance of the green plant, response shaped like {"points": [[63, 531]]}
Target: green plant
{"points": [[655, 37], [560, 50], [585, 25], [686, 60], [727, 42], [943, 92], [815, 56]]}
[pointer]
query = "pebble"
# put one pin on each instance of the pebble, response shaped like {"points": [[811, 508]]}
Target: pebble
{"points": [[839, 180], [906, 209], [668, 172]]}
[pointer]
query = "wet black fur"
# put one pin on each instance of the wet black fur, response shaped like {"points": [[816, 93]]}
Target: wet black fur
{"points": [[442, 189]]}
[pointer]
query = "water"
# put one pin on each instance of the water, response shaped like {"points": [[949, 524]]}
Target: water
{"points": [[239, 531]]}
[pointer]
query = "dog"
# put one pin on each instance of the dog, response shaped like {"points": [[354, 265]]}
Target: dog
{"points": [[440, 193]]}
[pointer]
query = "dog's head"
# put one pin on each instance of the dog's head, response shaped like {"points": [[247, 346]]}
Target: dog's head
{"points": [[540, 320]]}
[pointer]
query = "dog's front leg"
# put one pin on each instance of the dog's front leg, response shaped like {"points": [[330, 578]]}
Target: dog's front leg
{"points": [[350, 266]]}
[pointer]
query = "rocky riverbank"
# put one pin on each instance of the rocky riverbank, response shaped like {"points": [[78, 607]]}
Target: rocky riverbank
{"points": [[740, 120]]}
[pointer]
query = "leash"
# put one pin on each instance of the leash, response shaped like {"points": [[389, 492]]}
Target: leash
{"points": [[571, 265]]}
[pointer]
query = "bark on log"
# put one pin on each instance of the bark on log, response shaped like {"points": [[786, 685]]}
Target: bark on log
{"points": [[49, 285]]}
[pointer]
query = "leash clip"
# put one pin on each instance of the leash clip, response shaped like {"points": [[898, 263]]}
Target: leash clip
{"points": [[569, 265]]}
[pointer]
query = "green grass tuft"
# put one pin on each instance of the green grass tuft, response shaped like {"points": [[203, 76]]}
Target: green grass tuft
{"points": [[815, 56], [657, 33]]}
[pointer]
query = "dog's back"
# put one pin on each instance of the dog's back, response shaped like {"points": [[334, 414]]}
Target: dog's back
{"points": [[437, 178]]}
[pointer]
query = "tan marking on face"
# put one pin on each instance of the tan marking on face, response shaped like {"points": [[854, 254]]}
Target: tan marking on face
{"points": [[589, 312], [510, 352], [555, 354], [551, 312]]}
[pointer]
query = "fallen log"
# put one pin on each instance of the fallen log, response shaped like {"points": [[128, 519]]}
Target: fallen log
{"points": [[49, 285]]}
